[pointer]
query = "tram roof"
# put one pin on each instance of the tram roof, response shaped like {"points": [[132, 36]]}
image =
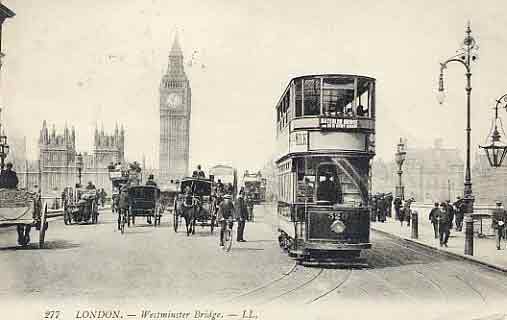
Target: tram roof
{"points": [[330, 75]]}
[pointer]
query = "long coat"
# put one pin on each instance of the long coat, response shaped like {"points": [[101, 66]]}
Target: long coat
{"points": [[498, 215], [241, 212], [444, 222]]}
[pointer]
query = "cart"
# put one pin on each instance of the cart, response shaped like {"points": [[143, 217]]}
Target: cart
{"points": [[23, 210], [80, 206], [144, 201]]}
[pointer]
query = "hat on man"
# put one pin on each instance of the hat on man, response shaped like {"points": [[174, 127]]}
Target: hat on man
{"points": [[498, 202], [227, 196]]}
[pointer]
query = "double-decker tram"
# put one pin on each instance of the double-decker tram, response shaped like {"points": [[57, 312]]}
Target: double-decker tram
{"points": [[228, 176], [325, 144]]}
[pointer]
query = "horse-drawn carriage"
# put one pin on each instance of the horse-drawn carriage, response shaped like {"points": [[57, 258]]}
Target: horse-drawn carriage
{"points": [[23, 209], [195, 205], [80, 206], [144, 201]]}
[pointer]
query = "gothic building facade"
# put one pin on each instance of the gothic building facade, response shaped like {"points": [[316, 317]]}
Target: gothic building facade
{"points": [[175, 109], [56, 167]]}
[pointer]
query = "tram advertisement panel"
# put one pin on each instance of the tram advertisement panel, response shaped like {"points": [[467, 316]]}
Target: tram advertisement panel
{"points": [[343, 140]]}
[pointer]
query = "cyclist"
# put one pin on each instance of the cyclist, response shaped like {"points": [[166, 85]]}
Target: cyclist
{"points": [[123, 204], [225, 214]]}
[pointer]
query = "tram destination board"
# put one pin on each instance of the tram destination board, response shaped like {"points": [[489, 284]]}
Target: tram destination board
{"points": [[335, 123]]}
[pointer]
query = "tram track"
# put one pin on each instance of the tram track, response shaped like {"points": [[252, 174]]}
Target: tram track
{"points": [[266, 285]]}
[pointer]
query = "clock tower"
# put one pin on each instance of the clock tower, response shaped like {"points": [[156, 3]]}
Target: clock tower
{"points": [[175, 107]]}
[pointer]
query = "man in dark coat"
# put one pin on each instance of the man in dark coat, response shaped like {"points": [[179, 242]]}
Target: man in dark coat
{"points": [[225, 212], [241, 216], [451, 213], [459, 213], [397, 206], [389, 208], [8, 178], [499, 218], [433, 219], [444, 219]]}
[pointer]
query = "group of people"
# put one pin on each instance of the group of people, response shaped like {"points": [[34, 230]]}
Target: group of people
{"points": [[443, 216], [381, 206], [229, 211]]}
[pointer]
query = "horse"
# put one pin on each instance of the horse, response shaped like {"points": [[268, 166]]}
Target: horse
{"points": [[188, 210]]}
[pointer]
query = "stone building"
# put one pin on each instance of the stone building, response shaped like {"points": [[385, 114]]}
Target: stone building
{"points": [[429, 174], [56, 166], [488, 184], [175, 108]]}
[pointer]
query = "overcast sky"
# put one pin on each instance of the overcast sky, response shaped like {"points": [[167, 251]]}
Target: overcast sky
{"points": [[100, 62]]}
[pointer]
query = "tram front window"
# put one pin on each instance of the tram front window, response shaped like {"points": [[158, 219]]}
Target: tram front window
{"points": [[337, 96], [332, 180]]}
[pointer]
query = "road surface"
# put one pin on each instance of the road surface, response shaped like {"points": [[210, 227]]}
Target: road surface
{"points": [[95, 264]]}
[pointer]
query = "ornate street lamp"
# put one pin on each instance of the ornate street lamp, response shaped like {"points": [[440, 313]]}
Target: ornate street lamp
{"points": [[400, 157], [79, 166], [497, 150], [466, 55]]}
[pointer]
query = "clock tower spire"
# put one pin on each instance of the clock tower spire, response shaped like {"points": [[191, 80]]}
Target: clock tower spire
{"points": [[175, 107]]}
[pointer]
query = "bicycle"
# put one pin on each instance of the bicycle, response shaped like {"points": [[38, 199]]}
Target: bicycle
{"points": [[228, 235]]}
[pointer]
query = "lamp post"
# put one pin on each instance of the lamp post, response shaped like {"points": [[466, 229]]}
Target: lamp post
{"points": [[399, 157], [79, 166], [497, 150], [4, 146], [466, 55]]}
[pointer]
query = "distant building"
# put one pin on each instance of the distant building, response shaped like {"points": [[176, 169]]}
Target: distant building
{"points": [[429, 174], [56, 167], [488, 183]]}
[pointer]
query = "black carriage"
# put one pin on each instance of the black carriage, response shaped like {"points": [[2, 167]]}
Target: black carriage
{"points": [[80, 206], [195, 204], [23, 209], [144, 201]]}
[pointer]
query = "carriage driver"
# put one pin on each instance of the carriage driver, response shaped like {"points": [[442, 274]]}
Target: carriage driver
{"points": [[225, 212], [151, 181]]}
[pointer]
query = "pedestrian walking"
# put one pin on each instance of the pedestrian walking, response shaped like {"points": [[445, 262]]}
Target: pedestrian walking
{"points": [[443, 218], [406, 212], [499, 218], [389, 208], [397, 208], [451, 213], [241, 216], [434, 220], [459, 210], [381, 208]]}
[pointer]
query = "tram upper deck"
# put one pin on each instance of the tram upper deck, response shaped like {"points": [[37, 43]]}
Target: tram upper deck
{"points": [[326, 113]]}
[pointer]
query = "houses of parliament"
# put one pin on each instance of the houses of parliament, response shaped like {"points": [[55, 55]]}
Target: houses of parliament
{"points": [[56, 167]]}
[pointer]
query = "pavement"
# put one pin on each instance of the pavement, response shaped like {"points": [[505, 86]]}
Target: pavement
{"points": [[484, 252]]}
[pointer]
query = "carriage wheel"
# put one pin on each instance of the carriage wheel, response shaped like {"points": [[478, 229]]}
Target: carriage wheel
{"points": [[175, 219], [43, 226]]}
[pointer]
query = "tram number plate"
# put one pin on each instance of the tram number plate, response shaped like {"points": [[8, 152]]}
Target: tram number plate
{"points": [[332, 123]]}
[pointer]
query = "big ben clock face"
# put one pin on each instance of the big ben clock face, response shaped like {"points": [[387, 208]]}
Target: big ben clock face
{"points": [[174, 100]]}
